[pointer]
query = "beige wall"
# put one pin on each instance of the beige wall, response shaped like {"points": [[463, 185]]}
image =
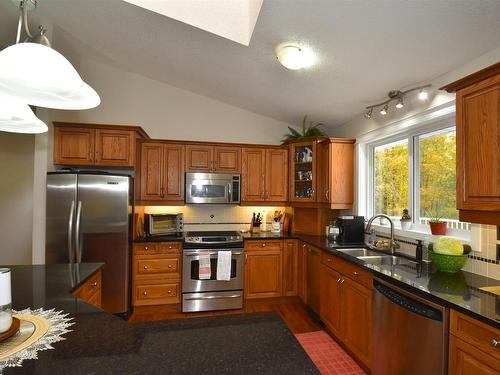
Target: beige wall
{"points": [[16, 202]]}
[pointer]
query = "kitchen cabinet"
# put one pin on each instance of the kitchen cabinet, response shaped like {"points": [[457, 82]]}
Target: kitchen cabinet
{"points": [[313, 278], [161, 173], [346, 304], [263, 268], [474, 347], [322, 172], [264, 175], [302, 271], [95, 145], [156, 273], [209, 158], [290, 267], [91, 290], [478, 145]]}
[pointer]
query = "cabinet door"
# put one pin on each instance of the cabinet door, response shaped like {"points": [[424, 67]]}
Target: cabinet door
{"points": [[114, 148], [290, 267], [74, 146], [323, 172], [478, 146], [356, 318], [263, 274], [227, 159], [313, 278], [199, 158], [330, 299], [302, 271], [276, 175], [303, 172], [340, 191], [253, 174], [173, 172], [465, 359], [151, 171]]}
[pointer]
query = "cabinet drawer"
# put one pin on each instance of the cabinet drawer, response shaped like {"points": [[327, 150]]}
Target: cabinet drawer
{"points": [[91, 287], [476, 333], [156, 266], [157, 248], [350, 270], [263, 245], [156, 294]]}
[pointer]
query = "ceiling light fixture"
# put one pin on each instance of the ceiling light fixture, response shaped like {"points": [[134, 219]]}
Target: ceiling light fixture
{"points": [[294, 57], [17, 117], [383, 111], [34, 73], [398, 96]]}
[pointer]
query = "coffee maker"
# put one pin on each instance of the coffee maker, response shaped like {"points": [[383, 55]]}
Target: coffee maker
{"points": [[351, 230]]}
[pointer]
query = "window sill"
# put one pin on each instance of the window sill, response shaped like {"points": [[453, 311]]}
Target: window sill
{"points": [[423, 234]]}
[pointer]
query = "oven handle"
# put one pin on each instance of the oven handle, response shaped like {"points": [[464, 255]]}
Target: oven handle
{"points": [[211, 297], [209, 253]]}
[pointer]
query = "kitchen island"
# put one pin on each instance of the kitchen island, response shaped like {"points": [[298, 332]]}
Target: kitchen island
{"points": [[101, 343]]}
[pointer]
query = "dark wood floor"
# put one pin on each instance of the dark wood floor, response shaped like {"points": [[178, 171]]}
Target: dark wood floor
{"points": [[291, 309]]}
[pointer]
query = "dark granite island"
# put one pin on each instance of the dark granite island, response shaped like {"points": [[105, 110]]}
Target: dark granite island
{"points": [[102, 343]]}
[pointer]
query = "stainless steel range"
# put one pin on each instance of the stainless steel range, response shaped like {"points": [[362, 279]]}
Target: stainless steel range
{"points": [[212, 294]]}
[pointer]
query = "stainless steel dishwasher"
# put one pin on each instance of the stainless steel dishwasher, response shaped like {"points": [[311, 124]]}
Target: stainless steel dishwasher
{"points": [[410, 334]]}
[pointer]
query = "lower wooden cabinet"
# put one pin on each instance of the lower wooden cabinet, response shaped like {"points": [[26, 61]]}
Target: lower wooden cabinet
{"points": [[313, 286], [263, 274], [302, 271], [473, 349], [156, 273], [346, 305], [90, 291], [290, 267]]}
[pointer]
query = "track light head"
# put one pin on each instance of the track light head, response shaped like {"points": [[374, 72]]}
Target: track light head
{"points": [[400, 103], [383, 111], [368, 113], [423, 94]]}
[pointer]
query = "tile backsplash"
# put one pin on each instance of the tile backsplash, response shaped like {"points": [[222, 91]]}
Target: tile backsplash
{"points": [[216, 216]]}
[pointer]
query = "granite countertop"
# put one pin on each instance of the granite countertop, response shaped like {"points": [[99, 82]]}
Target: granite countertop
{"points": [[102, 343]]}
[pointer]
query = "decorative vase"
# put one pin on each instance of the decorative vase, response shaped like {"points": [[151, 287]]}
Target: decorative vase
{"points": [[438, 228], [405, 224]]}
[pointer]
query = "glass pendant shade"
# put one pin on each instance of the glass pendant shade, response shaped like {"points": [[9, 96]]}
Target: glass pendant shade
{"points": [[17, 117], [41, 76]]}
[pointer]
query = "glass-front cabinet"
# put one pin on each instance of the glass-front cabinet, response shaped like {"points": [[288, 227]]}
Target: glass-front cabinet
{"points": [[303, 171]]}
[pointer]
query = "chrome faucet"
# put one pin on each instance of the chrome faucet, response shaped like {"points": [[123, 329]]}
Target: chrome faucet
{"points": [[393, 244]]}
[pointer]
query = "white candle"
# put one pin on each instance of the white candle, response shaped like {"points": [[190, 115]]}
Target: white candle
{"points": [[5, 300]]}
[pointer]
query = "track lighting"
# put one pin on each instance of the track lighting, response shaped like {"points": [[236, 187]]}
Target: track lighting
{"points": [[383, 111], [398, 96]]}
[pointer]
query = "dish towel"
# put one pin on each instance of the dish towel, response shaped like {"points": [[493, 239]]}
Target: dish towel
{"points": [[224, 265], [204, 270]]}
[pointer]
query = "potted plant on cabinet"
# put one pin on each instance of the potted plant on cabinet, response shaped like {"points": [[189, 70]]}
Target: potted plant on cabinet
{"points": [[311, 130], [405, 220], [438, 226]]}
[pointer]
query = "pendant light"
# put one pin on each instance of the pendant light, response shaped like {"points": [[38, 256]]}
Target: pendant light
{"points": [[36, 74], [17, 117]]}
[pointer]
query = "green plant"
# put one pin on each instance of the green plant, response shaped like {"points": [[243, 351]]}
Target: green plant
{"points": [[434, 216], [311, 130], [406, 215]]}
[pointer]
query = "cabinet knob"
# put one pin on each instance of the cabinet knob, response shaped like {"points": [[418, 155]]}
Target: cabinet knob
{"points": [[94, 283], [495, 343], [169, 266], [329, 260], [145, 267], [170, 247], [355, 273], [146, 248], [169, 292], [145, 293], [263, 244]]}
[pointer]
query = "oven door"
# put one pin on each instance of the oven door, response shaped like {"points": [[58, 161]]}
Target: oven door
{"points": [[191, 282], [208, 188]]}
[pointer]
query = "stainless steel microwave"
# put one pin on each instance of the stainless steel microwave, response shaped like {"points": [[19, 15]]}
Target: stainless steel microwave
{"points": [[163, 224], [221, 188]]}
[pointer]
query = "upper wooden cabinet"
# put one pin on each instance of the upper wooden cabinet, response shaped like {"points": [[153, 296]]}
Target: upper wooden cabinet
{"points": [[209, 158], [95, 145], [322, 171], [161, 174], [478, 145], [264, 175]]}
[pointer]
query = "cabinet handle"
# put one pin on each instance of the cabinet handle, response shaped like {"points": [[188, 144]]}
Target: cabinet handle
{"points": [[338, 280], [304, 246], [145, 293], [342, 281], [329, 260], [495, 343], [355, 273], [312, 191], [169, 292], [162, 194], [94, 284], [246, 257], [170, 247], [169, 266], [145, 267], [327, 194], [146, 248]]}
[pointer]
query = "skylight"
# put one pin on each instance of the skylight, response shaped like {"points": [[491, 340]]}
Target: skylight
{"points": [[231, 19]]}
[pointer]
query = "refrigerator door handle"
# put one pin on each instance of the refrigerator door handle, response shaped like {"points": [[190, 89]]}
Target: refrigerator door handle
{"points": [[77, 233], [71, 253]]}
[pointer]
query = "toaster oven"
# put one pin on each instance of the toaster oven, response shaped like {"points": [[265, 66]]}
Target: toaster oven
{"points": [[163, 224]]}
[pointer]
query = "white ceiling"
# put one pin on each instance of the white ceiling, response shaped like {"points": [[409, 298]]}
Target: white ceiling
{"points": [[365, 48]]}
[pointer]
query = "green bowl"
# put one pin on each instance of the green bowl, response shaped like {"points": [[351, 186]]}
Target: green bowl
{"points": [[448, 263]]}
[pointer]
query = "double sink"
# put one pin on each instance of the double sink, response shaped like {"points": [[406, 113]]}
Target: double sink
{"points": [[376, 258]]}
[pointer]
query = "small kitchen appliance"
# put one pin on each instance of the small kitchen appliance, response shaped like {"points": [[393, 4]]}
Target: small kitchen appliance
{"points": [[351, 229], [163, 224], [216, 188]]}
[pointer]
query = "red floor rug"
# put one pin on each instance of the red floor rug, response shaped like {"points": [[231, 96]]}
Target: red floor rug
{"points": [[327, 355]]}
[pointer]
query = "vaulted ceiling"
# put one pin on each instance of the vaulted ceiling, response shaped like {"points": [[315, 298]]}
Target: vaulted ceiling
{"points": [[365, 48]]}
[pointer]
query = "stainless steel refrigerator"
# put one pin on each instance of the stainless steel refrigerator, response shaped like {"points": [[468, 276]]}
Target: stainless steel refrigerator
{"points": [[88, 220]]}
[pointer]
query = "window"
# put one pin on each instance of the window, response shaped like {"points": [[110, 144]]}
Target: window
{"points": [[416, 171]]}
